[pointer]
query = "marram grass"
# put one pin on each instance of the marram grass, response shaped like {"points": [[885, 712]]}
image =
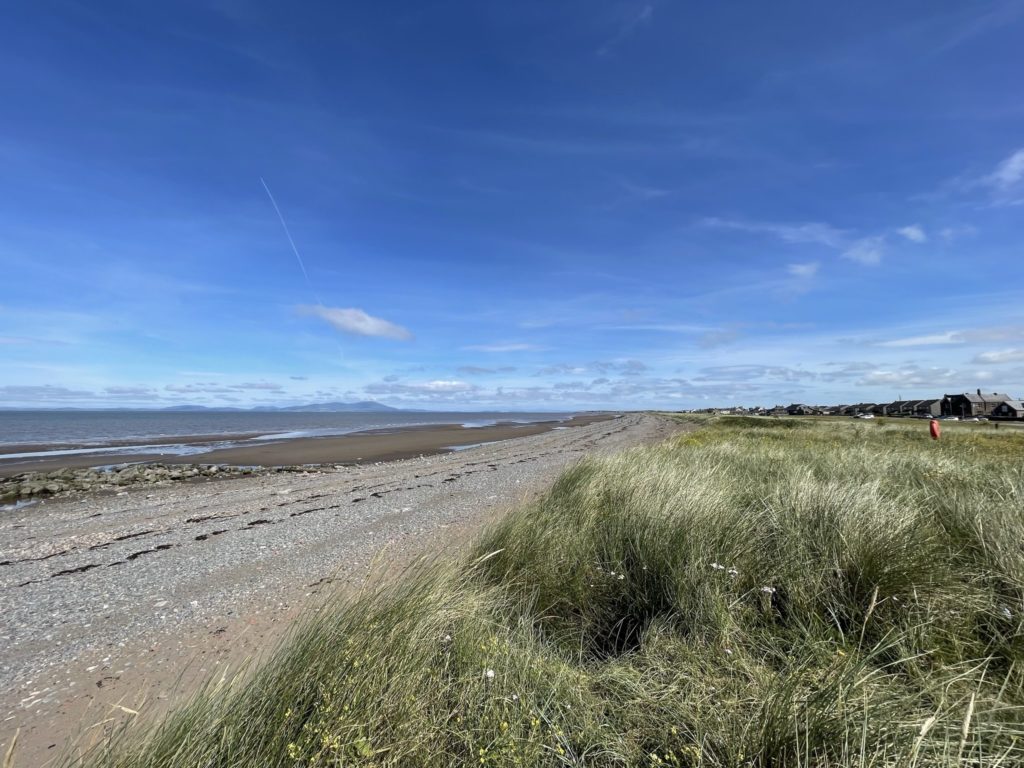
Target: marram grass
{"points": [[755, 593]]}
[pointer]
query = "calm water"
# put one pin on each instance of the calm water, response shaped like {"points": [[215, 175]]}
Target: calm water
{"points": [[99, 428]]}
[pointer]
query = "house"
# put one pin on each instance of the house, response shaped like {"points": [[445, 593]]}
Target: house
{"points": [[896, 408], [928, 409], [909, 408], [853, 410], [799, 409], [1009, 409], [968, 405]]}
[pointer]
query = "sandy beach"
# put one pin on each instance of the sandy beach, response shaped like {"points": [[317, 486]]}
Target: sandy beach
{"points": [[119, 603]]}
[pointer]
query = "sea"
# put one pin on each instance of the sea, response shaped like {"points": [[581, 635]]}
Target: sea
{"points": [[55, 433]]}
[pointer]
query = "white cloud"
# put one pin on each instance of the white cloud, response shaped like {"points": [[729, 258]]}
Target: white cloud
{"points": [[131, 391], [809, 232], [477, 370], [804, 271], [513, 347], [949, 234], [621, 367], [357, 322], [41, 393], [1000, 356], [914, 233], [867, 251], [984, 335], [1008, 173], [950, 337]]}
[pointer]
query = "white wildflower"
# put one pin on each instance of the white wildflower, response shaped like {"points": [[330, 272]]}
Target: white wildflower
{"points": [[728, 651], [489, 674], [718, 566], [768, 590]]}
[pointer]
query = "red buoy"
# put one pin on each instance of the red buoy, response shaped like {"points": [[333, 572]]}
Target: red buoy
{"points": [[935, 429]]}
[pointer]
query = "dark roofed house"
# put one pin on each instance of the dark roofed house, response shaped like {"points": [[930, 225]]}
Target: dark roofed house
{"points": [[1009, 409], [853, 410], [928, 408], [976, 404], [799, 409], [895, 408]]}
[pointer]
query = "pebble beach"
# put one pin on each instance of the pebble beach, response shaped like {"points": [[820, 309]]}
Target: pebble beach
{"points": [[113, 594]]}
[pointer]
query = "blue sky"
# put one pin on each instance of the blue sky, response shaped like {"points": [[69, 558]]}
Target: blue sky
{"points": [[510, 205]]}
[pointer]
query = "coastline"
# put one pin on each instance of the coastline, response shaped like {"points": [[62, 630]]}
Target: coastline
{"points": [[258, 450], [126, 602]]}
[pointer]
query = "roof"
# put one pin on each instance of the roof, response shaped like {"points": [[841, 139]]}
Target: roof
{"points": [[1017, 405], [984, 397]]}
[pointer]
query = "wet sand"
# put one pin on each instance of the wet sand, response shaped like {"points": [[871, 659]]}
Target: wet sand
{"points": [[356, 447]]}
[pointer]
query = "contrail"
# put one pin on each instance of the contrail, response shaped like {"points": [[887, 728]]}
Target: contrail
{"points": [[298, 257], [291, 242]]}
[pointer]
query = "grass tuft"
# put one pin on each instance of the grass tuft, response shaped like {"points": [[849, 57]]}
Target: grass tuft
{"points": [[752, 594]]}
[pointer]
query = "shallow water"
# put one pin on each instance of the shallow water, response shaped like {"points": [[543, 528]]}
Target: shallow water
{"points": [[105, 429]]}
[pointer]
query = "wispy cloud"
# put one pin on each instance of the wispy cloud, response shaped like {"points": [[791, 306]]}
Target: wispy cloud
{"points": [[927, 340], [42, 393], [807, 232], [131, 391], [1000, 356], [219, 388], [804, 271], [718, 337], [1008, 173], [357, 322], [438, 390], [982, 335], [867, 251], [949, 234], [643, 191], [913, 233], [508, 347], [477, 370], [628, 28], [621, 367]]}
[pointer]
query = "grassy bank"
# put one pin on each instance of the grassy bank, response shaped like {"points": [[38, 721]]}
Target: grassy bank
{"points": [[755, 593]]}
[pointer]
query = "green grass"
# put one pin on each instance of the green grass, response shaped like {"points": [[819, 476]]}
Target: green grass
{"points": [[755, 593]]}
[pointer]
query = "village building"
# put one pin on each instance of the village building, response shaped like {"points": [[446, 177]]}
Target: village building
{"points": [[856, 408], [928, 408], [1009, 409], [967, 405], [896, 408], [799, 409]]}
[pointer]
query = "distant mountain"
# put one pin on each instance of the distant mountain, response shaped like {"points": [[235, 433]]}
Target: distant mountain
{"points": [[366, 406], [191, 408]]}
